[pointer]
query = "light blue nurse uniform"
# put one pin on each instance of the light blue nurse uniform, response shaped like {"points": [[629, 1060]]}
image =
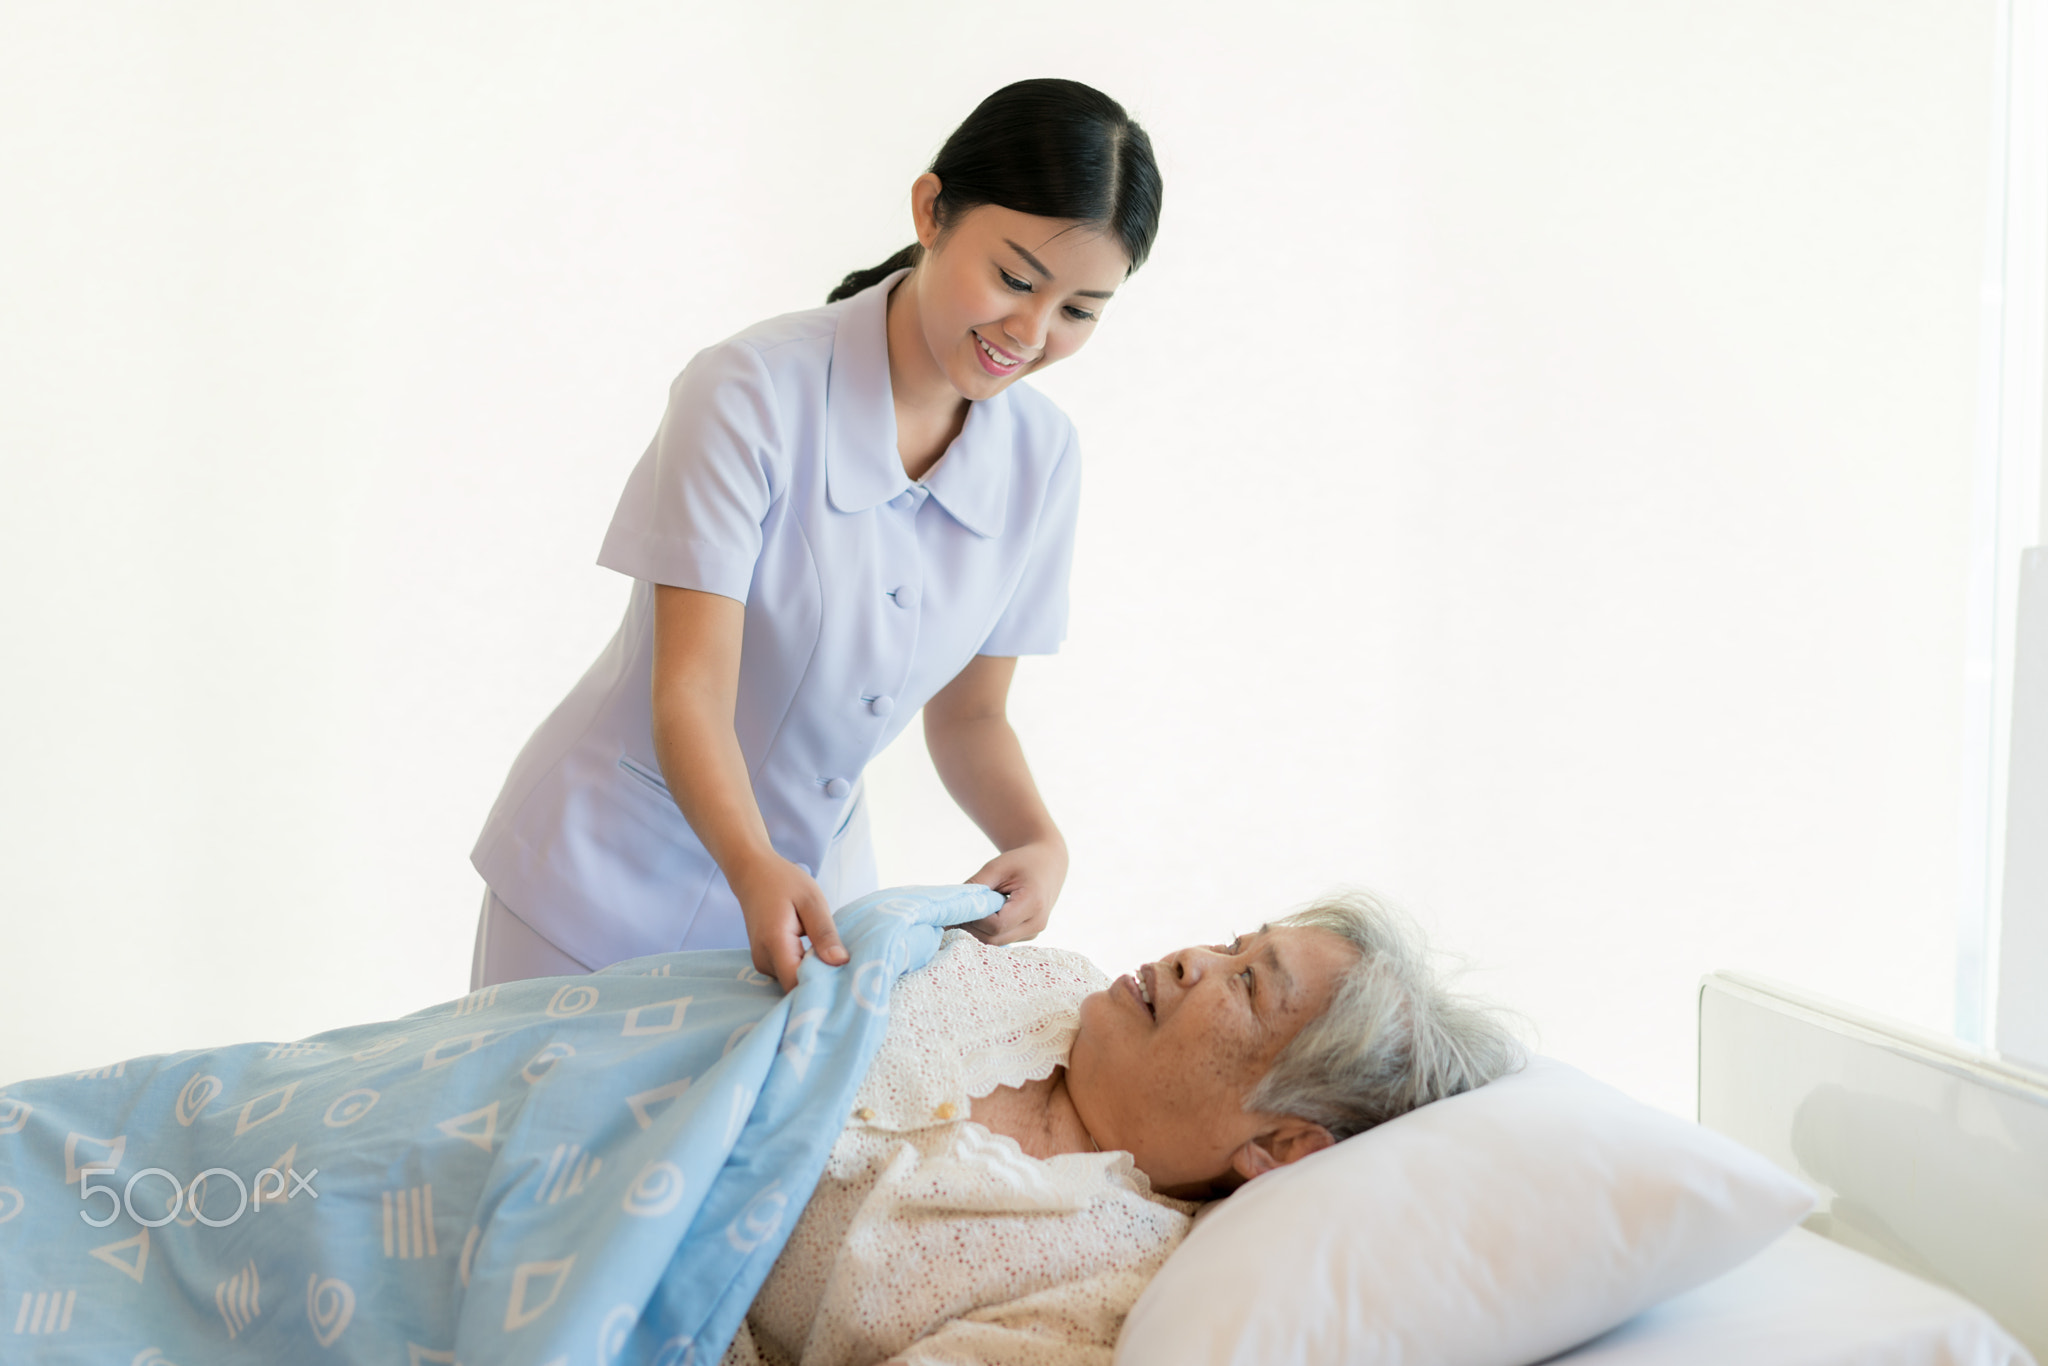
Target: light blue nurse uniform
{"points": [[775, 480]]}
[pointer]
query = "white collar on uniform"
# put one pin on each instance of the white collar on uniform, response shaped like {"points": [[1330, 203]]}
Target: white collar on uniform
{"points": [[862, 467]]}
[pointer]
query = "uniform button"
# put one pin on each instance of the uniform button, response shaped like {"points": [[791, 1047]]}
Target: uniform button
{"points": [[906, 596], [883, 705], [905, 499], [838, 788]]}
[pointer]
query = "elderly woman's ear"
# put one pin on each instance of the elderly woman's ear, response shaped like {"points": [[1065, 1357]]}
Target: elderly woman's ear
{"points": [[1290, 1140]]}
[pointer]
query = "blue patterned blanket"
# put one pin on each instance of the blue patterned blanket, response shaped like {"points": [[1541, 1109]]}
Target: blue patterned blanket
{"points": [[570, 1170]]}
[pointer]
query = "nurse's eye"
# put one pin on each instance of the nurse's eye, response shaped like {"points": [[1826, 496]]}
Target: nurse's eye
{"points": [[1021, 286], [1080, 315]]}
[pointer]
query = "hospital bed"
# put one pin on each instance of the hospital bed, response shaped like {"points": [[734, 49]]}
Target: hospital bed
{"points": [[1929, 1245]]}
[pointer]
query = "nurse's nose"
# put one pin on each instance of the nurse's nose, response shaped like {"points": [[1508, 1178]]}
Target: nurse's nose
{"points": [[1027, 329]]}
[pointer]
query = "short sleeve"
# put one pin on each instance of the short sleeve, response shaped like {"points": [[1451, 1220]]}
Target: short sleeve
{"points": [[1035, 620], [693, 507]]}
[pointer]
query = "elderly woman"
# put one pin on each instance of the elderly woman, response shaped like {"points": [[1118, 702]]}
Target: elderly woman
{"points": [[1027, 1145], [1004, 1147]]}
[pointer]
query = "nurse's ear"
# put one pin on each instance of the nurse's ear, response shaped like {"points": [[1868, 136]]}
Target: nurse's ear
{"points": [[924, 209]]}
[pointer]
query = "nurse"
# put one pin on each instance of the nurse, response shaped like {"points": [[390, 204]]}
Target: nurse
{"points": [[847, 515]]}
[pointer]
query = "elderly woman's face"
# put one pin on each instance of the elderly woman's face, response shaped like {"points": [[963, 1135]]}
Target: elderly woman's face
{"points": [[1164, 1059]]}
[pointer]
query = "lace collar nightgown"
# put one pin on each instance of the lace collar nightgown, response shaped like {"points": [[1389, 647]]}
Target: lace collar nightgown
{"points": [[931, 1239]]}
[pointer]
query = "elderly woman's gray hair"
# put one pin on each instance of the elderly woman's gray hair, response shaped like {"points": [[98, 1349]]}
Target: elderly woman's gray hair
{"points": [[1394, 1036]]}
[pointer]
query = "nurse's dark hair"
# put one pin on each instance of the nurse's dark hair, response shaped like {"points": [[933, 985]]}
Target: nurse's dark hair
{"points": [[1053, 148]]}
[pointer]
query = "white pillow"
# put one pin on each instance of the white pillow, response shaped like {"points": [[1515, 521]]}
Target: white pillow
{"points": [[1495, 1228]]}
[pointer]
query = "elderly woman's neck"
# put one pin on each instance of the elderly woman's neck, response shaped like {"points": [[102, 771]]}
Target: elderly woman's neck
{"points": [[1039, 1115]]}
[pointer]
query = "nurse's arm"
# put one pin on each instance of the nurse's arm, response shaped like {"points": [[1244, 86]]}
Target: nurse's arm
{"points": [[981, 762], [696, 689]]}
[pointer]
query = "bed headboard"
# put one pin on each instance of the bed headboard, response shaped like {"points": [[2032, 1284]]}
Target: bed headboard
{"points": [[1924, 1153]]}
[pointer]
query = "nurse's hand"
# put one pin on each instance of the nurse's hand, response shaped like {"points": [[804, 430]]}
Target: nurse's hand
{"points": [[780, 902], [1031, 876]]}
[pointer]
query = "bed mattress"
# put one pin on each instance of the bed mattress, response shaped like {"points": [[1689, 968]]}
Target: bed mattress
{"points": [[1806, 1301]]}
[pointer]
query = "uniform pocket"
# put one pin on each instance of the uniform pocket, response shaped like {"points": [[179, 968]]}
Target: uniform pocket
{"points": [[646, 775], [860, 797]]}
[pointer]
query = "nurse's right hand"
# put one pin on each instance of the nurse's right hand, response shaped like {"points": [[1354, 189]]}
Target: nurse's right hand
{"points": [[782, 904]]}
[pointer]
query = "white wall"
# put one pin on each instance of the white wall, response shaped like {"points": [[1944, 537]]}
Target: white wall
{"points": [[1531, 477]]}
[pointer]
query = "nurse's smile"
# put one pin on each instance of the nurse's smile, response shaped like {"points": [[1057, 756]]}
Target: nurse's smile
{"points": [[997, 294], [994, 359]]}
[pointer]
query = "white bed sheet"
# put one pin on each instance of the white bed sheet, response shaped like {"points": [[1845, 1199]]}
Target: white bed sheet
{"points": [[1806, 1301]]}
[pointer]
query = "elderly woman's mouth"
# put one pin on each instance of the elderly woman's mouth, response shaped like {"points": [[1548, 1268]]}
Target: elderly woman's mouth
{"points": [[1140, 991]]}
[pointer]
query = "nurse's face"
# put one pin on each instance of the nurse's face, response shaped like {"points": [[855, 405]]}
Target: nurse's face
{"points": [[1001, 294]]}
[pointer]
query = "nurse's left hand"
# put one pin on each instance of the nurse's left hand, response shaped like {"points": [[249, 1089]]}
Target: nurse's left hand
{"points": [[1031, 876]]}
